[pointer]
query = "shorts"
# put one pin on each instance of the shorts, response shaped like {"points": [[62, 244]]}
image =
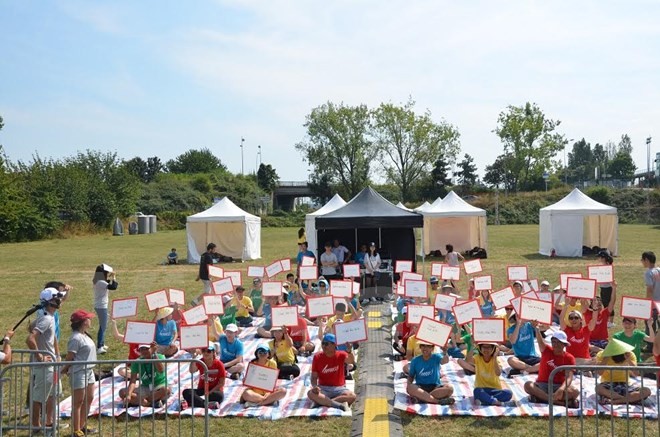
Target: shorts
{"points": [[602, 344], [428, 388], [530, 361], [620, 388], [332, 391], [82, 379], [298, 344], [544, 386], [42, 383], [207, 286], [143, 391]]}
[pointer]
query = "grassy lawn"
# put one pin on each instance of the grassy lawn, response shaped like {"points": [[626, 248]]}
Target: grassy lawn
{"points": [[137, 259]]}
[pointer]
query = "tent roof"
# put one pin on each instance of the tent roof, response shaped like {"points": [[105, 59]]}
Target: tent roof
{"points": [[422, 207], [402, 206], [334, 203], [223, 211], [578, 202], [452, 206], [437, 201], [368, 209]]}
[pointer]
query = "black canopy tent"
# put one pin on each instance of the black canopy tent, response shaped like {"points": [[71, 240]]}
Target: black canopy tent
{"points": [[370, 217]]}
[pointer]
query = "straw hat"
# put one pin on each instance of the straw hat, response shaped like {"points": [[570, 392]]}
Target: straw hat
{"points": [[164, 312], [616, 347]]}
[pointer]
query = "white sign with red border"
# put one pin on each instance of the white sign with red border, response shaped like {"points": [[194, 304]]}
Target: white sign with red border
{"points": [[563, 279], [516, 273], [433, 332], [636, 308], [488, 330], [235, 276], [354, 331], [602, 274], [320, 306], [444, 302], [216, 272], [157, 299], [483, 282], [307, 261], [195, 315], [285, 315], [535, 309], [271, 288], [416, 312], [213, 305], [308, 273], [256, 271], [473, 266], [465, 312], [194, 337], [414, 288], [273, 269], [124, 308], [261, 377], [502, 298], [222, 286], [436, 269], [401, 266], [139, 332], [450, 273], [177, 296], [581, 288], [341, 288], [351, 270]]}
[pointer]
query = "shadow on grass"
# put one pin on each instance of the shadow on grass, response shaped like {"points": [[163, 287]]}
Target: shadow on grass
{"points": [[494, 423]]}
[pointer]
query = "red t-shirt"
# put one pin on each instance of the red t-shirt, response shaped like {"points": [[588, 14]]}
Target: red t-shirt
{"points": [[133, 353], [215, 373], [549, 362], [298, 333], [600, 331], [405, 331], [330, 370], [579, 341]]}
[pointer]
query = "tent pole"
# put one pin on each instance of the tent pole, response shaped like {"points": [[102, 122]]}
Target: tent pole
{"points": [[356, 243], [423, 252]]}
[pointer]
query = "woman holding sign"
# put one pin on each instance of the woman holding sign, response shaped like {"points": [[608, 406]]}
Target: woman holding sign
{"points": [[487, 385], [283, 352], [608, 289], [579, 334], [166, 332], [214, 375], [255, 397], [104, 281]]}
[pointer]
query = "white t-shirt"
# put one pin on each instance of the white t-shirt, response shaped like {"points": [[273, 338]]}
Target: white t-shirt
{"points": [[339, 252], [371, 263], [328, 258], [2, 356]]}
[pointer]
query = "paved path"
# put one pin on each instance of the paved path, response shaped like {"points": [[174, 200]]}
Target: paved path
{"points": [[373, 414]]}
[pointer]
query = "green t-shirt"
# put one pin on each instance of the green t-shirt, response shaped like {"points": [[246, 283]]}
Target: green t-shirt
{"points": [[229, 316], [637, 340], [467, 339], [146, 372], [255, 297]]}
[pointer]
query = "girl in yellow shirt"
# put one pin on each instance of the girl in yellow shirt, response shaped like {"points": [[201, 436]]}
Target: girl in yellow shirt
{"points": [[487, 386], [283, 352], [255, 397]]}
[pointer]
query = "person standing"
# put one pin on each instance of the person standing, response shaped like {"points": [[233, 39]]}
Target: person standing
{"points": [[607, 289], [372, 263], [104, 280], [42, 338], [205, 261], [328, 378], [81, 348], [329, 263], [341, 252], [652, 282]]}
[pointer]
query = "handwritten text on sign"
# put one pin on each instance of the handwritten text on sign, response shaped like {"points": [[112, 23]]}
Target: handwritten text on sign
{"points": [[140, 332], [489, 330], [177, 296], [444, 302], [213, 304], [123, 308], [157, 299], [308, 272], [320, 306], [451, 273], [341, 288], [403, 266], [483, 283], [563, 279], [533, 309], [436, 269], [271, 288], [517, 273], [256, 271], [285, 316], [581, 288], [467, 311], [502, 298], [194, 337], [273, 269], [216, 272], [636, 308], [222, 286], [351, 270], [261, 377], [415, 288], [351, 332], [195, 315], [416, 312], [602, 274], [472, 267], [433, 332]]}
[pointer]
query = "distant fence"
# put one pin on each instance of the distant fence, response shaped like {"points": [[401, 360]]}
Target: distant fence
{"points": [[605, 426]]}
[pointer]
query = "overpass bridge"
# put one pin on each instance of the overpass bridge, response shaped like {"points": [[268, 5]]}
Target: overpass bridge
{"points": [[287, 192]]}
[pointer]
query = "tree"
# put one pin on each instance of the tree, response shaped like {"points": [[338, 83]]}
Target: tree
{"points": [[499, 173], [338, 145], [530, 141], [622, 166], [581, 161], [138, 167], [408, 143], [321, 188], [195, 161], [625, 145], [601, 159], [267, 178], [467, 173], [438, 182]]}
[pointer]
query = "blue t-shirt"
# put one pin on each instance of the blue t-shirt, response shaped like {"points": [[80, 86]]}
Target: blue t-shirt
{"points": [[268, 316], [305, 253], [359, 258], [426, 371], [165, 333], [487, 309], [446, 316], [229, 351], [56, 316], [524, 346]]}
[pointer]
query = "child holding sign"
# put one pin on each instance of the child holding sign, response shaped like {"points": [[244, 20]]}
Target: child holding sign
{"points": [[328, 379], [521, 335], [424, 377], [283, 352], [487, 385], [255, 397], [579, 335], [215, 375]]}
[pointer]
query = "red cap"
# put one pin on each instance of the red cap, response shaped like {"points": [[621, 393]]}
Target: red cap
{"points": [[81, 315]]}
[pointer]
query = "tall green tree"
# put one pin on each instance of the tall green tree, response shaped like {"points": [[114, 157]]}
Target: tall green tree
{"points": [[581, 161], [267, 178], [601, 159], [438, 182], [195, 161], [530, 140], [409, 142], [625, 145], [321, 188], [622, 166], [499, 173], [339, 145], [467, 172]]}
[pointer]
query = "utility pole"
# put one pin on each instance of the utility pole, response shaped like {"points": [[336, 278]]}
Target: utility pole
{"points": [[648, 162], [242, 167]]}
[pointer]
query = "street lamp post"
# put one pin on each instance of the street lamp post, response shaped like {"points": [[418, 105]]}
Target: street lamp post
{"points": [[648, 162], [242, 167]]}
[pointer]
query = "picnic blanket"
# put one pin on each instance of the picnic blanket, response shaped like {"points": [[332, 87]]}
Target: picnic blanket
{"points": [[295, 403]]}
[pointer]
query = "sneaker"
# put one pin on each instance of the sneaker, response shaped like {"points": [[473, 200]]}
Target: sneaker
{"points": [[345, 406], [513, 372], [446, 401], [100, 351], [214, 405], [248, 404]]}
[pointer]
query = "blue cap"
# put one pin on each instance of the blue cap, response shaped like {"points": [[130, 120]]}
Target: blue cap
{"points": [[330, 338], [263, 347], [433, 280]]}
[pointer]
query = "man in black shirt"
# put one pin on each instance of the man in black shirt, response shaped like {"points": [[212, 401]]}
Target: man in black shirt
{"points": [[205, 261]]}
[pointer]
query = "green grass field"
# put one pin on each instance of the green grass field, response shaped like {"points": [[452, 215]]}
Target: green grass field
{"points": [[137, 259]]}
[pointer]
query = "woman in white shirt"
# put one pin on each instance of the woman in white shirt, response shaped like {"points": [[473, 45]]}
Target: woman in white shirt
{"points": [[371, 264]]}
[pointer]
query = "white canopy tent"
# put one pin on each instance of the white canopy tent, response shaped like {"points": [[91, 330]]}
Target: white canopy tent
{"points": [[576, 221], [422, 207], [454, 221], [310, 225], [235, 232], [402, 206]]}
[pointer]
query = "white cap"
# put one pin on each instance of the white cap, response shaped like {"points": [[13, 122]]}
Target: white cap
{"points": [[50, 293], [545, 283], [231, 328]]}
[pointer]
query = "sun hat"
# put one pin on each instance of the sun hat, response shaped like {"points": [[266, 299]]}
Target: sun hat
{"points": [[561, 336], [324, 282], [275, 328], [482, 343], [231, 328], [517, 283], [616, 347], [50, 293], [545, 283], [80, 315], [330, 338], [164, 312]]}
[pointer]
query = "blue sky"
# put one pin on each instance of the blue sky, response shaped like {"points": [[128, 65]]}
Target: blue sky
{"points": [[154, 78]]}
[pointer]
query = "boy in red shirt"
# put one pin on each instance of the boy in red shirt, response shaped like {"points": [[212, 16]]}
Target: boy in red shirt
{"points": [[300, 337], [215, 375], [578, 334], [328, 382], [551, 358]]}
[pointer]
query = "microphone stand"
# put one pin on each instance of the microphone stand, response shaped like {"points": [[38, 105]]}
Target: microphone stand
{"points": [[28, 313]]}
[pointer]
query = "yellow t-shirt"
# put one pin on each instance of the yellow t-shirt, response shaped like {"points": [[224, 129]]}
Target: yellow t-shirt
{"points": [[218, 328], [507, 324], [412, 345], [242, 312], [486, 377], [285, 354], [333, 319], [273, 365], [610, 376], [576, 307]]}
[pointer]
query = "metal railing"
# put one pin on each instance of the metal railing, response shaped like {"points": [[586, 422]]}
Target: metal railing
{"points": [[13, 387], [596, 370]]}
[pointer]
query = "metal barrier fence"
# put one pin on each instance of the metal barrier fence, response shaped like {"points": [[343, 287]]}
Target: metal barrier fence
{"points": [[579, 372], [17, 392]]}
